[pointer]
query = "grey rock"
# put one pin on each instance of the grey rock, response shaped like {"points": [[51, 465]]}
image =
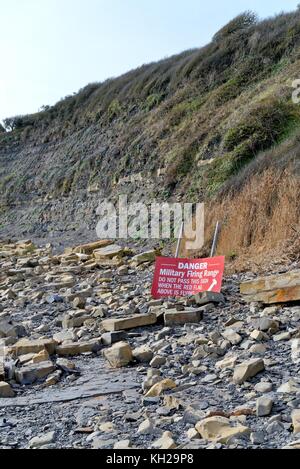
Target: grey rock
{"points": [[110, 338], [263, 387], [42, 440], [274, 427], [257, 438], [263, 406]]}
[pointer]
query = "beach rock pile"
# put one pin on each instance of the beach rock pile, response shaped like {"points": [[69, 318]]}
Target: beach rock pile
{"points": [[88, 359]]}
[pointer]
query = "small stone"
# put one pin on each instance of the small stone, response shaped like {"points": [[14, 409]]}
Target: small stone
{"points": [[159, 388], [282, 337], [74, 319], [149, 401], [163, 411], [53, 379], [65, 365], [270, 311], [6, 391], [123, 270], [110, 338], [232, 336], [247, 370], [269, 325], [227, 364], [165, 442], [263, 387], [146, 428], [42, 440], [172, 402], [148, 256], [219, 430], [291, 387], [54, 299], [143, 354], [7, 330], [119, 355], [40, 357], [209, 297], [296, 421], [258, 349], [274, 427], [293, 445], [123, 444], [91, 247], [257, 438], [64, 336], [107, 427], [296, 351], [108, 252], [257, 335], [192, 434], [263, 406], [79, 302], [151, 373], [158, 361], [99, 312]]}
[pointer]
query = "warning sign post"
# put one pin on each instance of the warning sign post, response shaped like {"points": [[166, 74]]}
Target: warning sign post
{"points": [[187, 277]]}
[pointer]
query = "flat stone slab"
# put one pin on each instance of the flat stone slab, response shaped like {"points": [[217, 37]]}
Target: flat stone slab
{"points": [[274, 289], [173, 318], [91, 247], [131, 322], [98, 381], [108, 252]]}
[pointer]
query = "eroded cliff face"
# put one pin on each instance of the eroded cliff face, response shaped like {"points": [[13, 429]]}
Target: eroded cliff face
{"points": [[206, 125]]}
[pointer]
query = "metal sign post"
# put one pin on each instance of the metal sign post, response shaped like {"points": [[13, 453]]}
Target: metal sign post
{"points": [[179, 240], [215, 240]]}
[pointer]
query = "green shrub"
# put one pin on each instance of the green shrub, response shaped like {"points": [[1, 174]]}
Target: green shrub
{"points": [[240, 22], [181, 163], [218, 173], [228, 91], [262, 126], [152, 101], [114, 109], [67, 184], [19, 122]]}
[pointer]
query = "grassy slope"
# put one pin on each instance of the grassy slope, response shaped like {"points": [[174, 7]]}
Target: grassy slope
{"points": [[204, 115]]}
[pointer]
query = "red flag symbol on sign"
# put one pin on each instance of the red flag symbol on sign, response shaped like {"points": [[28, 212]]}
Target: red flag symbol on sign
{"points": [[186, 277]]}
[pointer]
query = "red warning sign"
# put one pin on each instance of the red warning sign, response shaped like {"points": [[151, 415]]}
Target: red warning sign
{"points": [[186, 277]]}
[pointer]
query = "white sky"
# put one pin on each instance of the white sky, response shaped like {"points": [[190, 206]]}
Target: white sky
{"points": [[51, 48]]}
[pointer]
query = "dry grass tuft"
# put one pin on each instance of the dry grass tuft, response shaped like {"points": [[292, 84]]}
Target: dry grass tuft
{"points": [[260, 224]]}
